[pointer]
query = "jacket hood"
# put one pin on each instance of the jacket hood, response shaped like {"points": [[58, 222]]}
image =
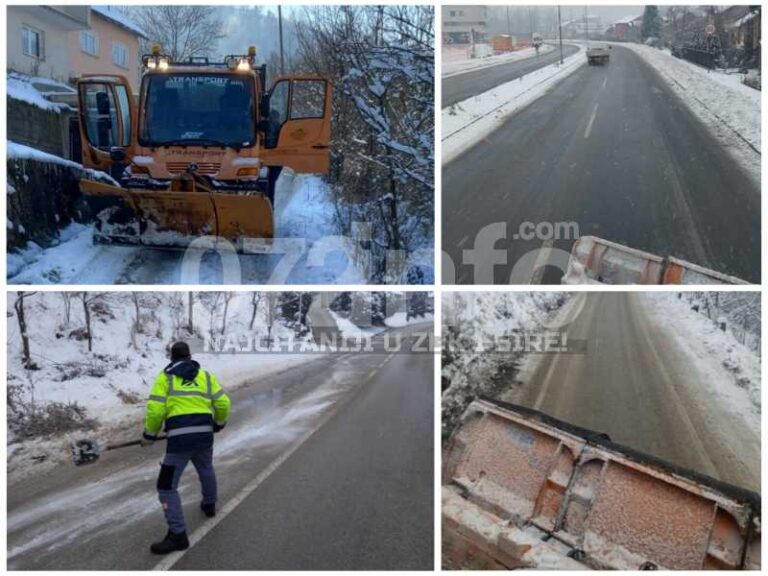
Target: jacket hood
{"points": [[185, 369]]}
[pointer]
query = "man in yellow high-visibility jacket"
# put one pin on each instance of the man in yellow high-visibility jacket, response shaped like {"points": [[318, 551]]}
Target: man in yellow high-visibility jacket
{"points": [[192, 405]]}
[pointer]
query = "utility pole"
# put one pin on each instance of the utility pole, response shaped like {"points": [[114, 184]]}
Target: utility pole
{"points": [[560, 32], [509, 26], [280, 32], [530, 19], [586, 26]]}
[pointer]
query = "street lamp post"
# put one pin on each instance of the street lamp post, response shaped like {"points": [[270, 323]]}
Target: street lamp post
{"points": [[560, 32]]}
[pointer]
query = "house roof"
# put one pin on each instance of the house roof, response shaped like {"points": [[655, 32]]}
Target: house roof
{"points": [[628, 19], [117, 16]]}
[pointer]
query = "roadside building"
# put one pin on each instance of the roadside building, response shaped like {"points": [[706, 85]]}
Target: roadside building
{"points": [[465, 24], [64, 42], [37, 38], [625, 29], [110, 45]]}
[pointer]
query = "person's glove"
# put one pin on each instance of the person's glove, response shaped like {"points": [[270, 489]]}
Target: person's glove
{"points": [[218, 427], [145, 441]]}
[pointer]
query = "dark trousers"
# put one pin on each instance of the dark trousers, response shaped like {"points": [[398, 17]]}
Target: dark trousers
{"points": [[168, 483]]}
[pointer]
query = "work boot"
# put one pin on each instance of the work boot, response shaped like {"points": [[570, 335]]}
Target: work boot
{"points": [[171, 543], [208, 509]]}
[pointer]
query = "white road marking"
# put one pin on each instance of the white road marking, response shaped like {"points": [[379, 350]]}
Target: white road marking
{"points": [[588, 131], [541, 261], [605, 81]]}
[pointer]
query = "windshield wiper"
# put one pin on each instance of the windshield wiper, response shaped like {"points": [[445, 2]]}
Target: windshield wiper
{"points": [[193, 142]]}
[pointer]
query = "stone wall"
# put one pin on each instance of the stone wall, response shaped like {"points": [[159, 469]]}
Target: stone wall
{"points": [[42, 198], [45, 130]]}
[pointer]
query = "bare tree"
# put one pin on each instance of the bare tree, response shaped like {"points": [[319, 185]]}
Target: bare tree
{"points": [[190, 311], [88, 299], [256, 298], [67, 298], [18, 305], [183, 31], [272, 300], [227, 297]]}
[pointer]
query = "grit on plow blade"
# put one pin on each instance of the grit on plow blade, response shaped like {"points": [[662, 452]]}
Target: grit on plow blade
{"points": [[522, 490], [175, 218], [607, 262]]}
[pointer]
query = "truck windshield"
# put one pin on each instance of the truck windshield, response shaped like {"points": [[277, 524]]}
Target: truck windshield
{"points": [[199, 109]]}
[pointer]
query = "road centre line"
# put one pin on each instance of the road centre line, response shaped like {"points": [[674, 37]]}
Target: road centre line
{"points": [[588, 131]]}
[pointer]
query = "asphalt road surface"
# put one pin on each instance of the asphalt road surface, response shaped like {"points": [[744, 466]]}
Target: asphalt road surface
{"points": [[459, 87], [612, 149], [355, 492], [634, 384]]}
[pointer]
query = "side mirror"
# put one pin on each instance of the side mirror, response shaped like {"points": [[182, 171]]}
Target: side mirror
{"points": [[102, 103], [104, 132], [117, 155], [264, 105]]}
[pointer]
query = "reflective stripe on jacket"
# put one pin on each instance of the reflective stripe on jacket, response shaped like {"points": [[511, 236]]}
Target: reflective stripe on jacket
{"points": [[188, 408]]}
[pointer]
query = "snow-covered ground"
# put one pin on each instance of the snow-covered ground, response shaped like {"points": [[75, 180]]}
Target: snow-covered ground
{"points": [[112, 382], [454, 67], [303, 216], [466, 123], [729, 370], [729, 108]]}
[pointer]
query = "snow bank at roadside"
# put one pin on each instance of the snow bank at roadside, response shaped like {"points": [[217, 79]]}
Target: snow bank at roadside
{"points": [[467, 122], [730, 109], [456, 67], [731, 371], [64, 262], [400, 319]]}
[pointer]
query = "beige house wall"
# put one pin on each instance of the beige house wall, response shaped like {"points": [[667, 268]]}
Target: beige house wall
{"points": [[55, 30], [103, 63]]}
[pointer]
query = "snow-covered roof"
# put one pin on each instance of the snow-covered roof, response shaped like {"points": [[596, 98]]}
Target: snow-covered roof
{"points": [[21, 87], [118, 17], [627, 19]]}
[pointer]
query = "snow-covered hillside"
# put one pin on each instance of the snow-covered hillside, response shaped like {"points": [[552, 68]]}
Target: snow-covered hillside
{"points": [[472, 320], [70, 387]]}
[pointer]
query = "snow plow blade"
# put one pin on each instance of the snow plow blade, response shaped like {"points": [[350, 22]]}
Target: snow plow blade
{"points": [[175, 217], [597, 260], [523, 490]]}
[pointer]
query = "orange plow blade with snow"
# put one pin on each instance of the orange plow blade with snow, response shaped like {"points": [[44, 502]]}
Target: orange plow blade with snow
{"points": [[176, 217], [596, 260], [523, 490]]}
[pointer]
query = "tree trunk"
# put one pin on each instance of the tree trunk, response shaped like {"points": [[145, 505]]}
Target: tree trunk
{"points": [[190, 323], [25, 353], [87, 312]]}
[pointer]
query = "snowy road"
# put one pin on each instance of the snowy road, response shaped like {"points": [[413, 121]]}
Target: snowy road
{"points": [[459, 87], [614, 150], [356, 492], [311, 252], [647, 385]]}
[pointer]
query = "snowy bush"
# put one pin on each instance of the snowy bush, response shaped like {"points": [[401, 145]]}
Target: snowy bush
{"points": [[470, 318]]}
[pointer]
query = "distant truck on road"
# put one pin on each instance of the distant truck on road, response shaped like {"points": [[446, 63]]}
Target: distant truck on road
{"points": [[537, 40], [597, 56]]}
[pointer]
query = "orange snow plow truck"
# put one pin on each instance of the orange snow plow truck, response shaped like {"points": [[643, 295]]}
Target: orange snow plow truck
{"points": [[199, 151], [523, 490]]}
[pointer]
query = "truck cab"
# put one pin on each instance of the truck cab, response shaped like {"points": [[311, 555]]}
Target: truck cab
{"points": [[198, 136]]}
